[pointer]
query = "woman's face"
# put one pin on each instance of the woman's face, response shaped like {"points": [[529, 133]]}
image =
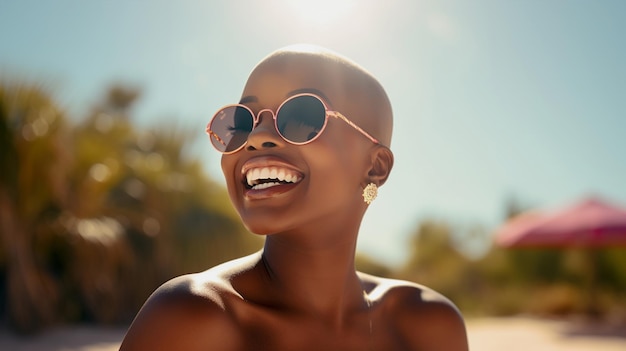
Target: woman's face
{"points": [[322, 181]]}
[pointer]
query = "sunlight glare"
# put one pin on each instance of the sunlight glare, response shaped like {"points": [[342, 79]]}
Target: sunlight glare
{"points": [[320, 12]]}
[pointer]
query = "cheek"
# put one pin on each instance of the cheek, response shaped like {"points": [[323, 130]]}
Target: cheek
{"points": [[337, 171], [228, 169]]}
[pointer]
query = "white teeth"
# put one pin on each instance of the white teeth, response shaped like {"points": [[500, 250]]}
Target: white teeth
{"points": [[265, 173], [264, 185], [255, 176]]}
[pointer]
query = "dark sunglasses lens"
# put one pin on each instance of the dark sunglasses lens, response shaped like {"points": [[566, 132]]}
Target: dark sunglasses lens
{"points": [[301, 119], [230, 128]]}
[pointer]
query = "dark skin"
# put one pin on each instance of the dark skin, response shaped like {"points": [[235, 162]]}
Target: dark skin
{"points": [[302, 292]]}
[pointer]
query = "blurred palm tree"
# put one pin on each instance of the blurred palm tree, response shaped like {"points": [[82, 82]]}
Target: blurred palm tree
{"points": [[93, 217], [32, 193], [96, 265], [172, 217]]}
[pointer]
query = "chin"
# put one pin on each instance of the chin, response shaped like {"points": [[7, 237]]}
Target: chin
{"points": [[265, 220], [259, 228]]}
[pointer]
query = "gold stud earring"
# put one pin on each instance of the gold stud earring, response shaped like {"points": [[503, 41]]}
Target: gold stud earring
{"points": [[370, 192]]}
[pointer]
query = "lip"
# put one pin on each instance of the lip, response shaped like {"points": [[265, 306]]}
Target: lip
{"points": [[268, 161]]}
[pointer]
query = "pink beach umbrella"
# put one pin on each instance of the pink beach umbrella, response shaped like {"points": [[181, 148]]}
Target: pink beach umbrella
{"points": [[591, 223]]}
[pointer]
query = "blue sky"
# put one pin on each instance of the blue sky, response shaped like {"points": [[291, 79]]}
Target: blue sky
{"points": [[492, 99]]}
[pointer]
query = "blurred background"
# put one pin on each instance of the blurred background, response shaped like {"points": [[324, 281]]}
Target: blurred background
{"points": [[108, 186]]}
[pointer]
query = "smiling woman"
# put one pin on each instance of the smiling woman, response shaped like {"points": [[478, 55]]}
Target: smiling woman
{"points": [[304, 181]]}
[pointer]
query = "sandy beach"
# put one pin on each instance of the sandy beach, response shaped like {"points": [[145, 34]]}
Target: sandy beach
{"points": [[485, 334], [521, 333]]}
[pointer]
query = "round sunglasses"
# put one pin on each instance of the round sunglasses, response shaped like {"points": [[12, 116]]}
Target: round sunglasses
{"points": [[299, 120]]}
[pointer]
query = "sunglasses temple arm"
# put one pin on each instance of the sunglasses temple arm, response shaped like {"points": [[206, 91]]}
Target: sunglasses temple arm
{"points": [[353, 125]]}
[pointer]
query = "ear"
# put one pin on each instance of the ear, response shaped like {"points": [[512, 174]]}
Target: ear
{"points": [[381, 165]]}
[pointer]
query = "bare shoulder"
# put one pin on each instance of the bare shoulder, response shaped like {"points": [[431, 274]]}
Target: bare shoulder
{"points": [[190, 312], [422, 317]]}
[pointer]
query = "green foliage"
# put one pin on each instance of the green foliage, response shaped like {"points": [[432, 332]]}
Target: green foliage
{"points": [[96, 215], [435, 263], [509, 281], [366, 264], [32, 194]]}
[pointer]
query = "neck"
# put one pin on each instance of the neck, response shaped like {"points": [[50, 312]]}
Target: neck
{"points": [[317, 279]]}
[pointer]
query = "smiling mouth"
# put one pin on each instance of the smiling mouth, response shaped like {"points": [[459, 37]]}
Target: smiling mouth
{"points": [[267, 177]]}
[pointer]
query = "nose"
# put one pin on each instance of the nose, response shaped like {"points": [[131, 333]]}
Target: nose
{"points": [[264, 134]]}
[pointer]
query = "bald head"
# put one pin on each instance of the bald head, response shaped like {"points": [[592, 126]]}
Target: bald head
{"points": [[349, 88]]}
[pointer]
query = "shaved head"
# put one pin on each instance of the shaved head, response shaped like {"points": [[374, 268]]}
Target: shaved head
{"points": [[350, 89]]}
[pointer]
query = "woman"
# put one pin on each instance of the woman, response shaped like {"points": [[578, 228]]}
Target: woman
{"points": [[304, 153]]}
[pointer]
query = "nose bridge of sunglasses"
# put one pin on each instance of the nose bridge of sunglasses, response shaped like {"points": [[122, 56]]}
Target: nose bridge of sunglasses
{"points": [[264, 125], [267, 113]]}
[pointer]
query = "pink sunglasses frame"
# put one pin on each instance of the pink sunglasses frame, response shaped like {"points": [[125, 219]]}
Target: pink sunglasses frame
{"points": [[256, 118]]}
